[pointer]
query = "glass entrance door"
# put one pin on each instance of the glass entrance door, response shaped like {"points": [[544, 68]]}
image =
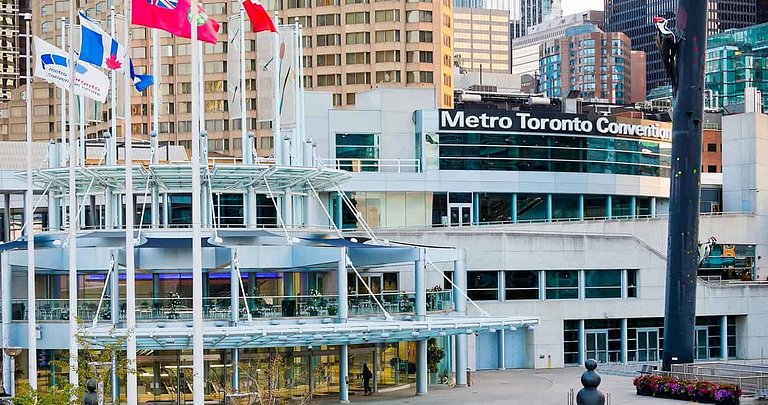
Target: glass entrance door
{"points": [[597, 345], [648, 345], [459, 214], [702, 343]]}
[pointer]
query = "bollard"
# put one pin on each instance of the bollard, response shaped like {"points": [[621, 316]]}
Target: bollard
{"points": [[590, 395], [469, 377]]}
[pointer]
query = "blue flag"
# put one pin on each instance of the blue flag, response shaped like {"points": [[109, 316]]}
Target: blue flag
{"points": [[99, 48]]}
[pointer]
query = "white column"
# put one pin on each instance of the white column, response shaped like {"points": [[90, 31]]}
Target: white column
{"points": [[421, 367], [5, 268], [30, 223], [460, 302], [582, 343], [724, 337], [341, 276], [155, 207], [54, 210], [131, 383], [502, 350], [343, 374], [420, 288], [624, 345], [234, 305], [276, 131], [198, 386]]}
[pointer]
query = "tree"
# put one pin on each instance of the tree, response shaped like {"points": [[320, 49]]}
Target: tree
{"points": [[435, 354]]}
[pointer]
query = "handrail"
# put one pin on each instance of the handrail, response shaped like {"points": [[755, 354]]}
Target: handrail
{"points": [[374, 165]]}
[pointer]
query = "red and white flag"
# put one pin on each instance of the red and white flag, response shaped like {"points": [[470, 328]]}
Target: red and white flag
{"points": [[260, 19]]}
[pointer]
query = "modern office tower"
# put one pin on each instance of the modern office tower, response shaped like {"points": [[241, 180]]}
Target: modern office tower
{"points": [[481, 39], [596, 63], [735, 61], [349, 46], [634, 18], [358, 44], [525, 49]]}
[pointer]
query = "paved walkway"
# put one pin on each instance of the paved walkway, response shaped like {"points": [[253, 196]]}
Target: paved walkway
{"points": [[525, 387]]}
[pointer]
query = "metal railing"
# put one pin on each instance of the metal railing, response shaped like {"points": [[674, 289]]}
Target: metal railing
{"points": [[219, 308], [750, 379], [374, 165]]}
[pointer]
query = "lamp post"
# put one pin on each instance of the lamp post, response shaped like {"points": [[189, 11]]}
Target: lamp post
{"points": [[12, 352]]}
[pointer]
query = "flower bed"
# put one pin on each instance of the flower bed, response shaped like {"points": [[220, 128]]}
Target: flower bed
{"points": [[674, 388]]}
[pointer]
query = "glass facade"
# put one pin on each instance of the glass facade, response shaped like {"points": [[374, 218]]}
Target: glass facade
{"points": [[736, 60], [553, 153], [357, 152]]}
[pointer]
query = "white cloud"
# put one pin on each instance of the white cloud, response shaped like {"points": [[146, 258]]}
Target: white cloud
{"points": [[577, 6]]}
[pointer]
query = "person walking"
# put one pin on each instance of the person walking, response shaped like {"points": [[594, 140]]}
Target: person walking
{"points": [[367, 375]]}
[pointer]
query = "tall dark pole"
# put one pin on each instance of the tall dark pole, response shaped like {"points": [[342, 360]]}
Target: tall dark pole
{"points": [[682, 246]]}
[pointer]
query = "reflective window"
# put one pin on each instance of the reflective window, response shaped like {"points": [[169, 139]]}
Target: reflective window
{"points": [[521, 285], [562, 284], [602, 283], [483, 285]]}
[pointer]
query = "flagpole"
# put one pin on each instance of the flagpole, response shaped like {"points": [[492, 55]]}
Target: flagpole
{"points": [[30, 224], [130, 212], [198, 386], [247, 150], [63, 149], [156, 105], [73, 220], [278, 139]]}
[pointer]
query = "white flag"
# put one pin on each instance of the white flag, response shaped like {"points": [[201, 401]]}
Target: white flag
{"points": [[265, 76], [287, 70], [51, 64]]}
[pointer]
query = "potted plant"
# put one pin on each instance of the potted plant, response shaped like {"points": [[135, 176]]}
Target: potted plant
{"points": [[435, 354], [173, 305]]}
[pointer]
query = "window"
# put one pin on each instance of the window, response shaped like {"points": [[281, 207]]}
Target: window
{"points": [[602, 283], [329, 40], [215, 67], [358, 58], [139, 53], [420, 36], [419, 16], [350, 98], [336, 99], [304, 20], [387, 15], [711, 147], [354, 38], [215, 8], [360, 17], [321, 3], [420, 77], [632, 283], [352, 149], [359, 78], [326, 20], [483, 285], [329, 80], [388, 36], [389, 76], [562, 284], [419, 57], [299, 3], [521, 285], [329, 60], [711, 169], [387, 56]]}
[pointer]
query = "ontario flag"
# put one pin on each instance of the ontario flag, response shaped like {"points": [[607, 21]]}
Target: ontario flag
{"points": [[260, 20], [174, 17]]}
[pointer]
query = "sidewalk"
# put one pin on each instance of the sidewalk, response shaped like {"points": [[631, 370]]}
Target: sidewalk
{"points": [[526, 387]]}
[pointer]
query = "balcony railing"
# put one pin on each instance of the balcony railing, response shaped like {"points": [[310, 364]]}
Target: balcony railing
{"points": [[374, 165], [219, 308]]}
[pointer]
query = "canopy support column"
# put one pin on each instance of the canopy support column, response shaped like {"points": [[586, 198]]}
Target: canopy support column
{"points": [[460, 302]]}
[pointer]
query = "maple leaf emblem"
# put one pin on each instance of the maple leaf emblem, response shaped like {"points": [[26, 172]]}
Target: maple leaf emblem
{"points": [[113, 63]]}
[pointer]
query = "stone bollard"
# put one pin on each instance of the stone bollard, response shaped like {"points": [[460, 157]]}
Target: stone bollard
{"points": [[590, 395]]}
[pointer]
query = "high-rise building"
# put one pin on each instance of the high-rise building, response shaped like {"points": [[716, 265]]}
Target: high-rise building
{"points": [[525, 49], [481, 39], [596, 63], [349, 47], [11, 27], [359, 44], [634, 18]]}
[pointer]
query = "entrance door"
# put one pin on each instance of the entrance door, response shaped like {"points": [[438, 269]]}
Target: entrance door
{"points": [[459, 214], [702, 343], [597, 345], [648, 345]]}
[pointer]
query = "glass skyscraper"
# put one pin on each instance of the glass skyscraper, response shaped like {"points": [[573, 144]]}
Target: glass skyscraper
{"points": [[634, 18]]}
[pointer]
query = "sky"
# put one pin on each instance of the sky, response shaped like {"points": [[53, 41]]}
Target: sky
{"points": [[577, 6]]}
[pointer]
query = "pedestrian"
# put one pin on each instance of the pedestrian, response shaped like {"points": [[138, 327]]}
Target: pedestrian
{"points": [[367, 375]]}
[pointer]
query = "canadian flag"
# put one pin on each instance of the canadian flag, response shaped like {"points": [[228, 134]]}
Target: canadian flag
{"points": [[258, 15]]}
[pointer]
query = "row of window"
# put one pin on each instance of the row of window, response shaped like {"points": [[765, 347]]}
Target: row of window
{"points": [[551, 284]]}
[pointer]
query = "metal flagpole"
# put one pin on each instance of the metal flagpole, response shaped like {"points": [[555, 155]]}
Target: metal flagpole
{"points": [[198, 385], [63, 149], [129, 218], [155, 138], [247, 151], [73, 220], [278, 139], [30, 223]]}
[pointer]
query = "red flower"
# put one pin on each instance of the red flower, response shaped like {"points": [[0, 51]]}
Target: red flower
{"points": [[113, 63]]}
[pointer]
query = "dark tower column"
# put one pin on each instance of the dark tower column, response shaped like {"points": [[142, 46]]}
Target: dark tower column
{"points": [[682, 247]]}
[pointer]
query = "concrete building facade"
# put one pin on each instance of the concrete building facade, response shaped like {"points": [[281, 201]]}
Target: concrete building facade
{"points": [[481, 40]]}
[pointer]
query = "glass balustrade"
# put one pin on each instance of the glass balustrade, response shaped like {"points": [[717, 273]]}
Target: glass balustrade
{"points": [[219, 308]]}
